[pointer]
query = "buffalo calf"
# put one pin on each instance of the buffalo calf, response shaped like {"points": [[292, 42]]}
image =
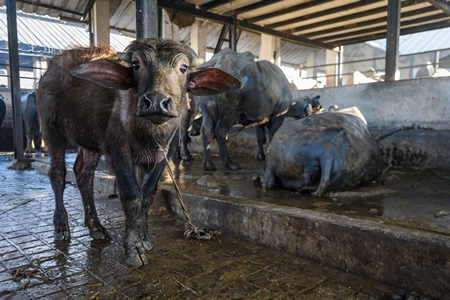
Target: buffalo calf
{"points": [[128, 107]]}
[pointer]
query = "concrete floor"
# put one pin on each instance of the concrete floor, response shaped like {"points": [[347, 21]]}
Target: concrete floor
{"points": [[32, 266]]}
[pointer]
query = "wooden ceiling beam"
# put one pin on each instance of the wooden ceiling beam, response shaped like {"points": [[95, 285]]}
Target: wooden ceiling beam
{"points": [[410, 30], [287, 10], [381, 20], [429, 20], [354, 16]]}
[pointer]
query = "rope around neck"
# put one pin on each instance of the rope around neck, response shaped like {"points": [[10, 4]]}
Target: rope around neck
{"points": [[193, 231]]}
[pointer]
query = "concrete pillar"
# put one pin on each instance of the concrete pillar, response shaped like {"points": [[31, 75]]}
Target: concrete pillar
{"points": [[270, 49], [310, 63], [198, 38], [169, 30], [100, 22], [331, 68]]}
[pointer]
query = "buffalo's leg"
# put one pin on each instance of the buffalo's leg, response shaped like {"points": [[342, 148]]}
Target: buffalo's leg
{"points": [[57, 175], [131, 197], [149, 188], [185, 154], [84, 169], [206, 130], [221, 131], [261, 139], [326, 165]]}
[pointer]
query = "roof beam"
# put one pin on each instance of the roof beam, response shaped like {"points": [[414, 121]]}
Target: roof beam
{"points": [[357, 16], [241, 24], [213, 4], [381, 20], [88, 8], [443, 5], [287, 10], [321, 14], [382, 35], [250, 7]]}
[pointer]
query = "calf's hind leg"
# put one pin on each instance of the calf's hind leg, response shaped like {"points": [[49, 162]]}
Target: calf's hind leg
{"points": [[84, 169]]}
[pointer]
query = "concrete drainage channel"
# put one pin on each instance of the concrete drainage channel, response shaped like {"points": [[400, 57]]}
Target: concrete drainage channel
{"points": [[412, 259], [400, 257]]}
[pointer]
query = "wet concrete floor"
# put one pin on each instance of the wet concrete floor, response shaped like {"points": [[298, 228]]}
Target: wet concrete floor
{"points": [[405, 197], [33, 266]]}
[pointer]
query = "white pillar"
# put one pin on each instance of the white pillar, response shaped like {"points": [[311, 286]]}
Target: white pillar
{"points": [[100, 22], [270, 49], [198, 38], [169, 30], [331, 68]]}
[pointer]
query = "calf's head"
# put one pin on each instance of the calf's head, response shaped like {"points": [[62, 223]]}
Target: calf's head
{"points": [[160, 72]]}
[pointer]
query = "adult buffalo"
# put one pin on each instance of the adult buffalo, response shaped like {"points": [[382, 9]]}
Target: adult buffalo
{"points": [[321, 153], [126, 106], [31, 122], [266, 95]]}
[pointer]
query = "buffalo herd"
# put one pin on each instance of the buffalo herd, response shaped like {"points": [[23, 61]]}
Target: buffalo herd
{"points": [[131, 106]]}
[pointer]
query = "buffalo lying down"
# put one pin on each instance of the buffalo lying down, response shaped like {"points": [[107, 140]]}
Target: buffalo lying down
{"points": [[126, 106], [323, 152]]}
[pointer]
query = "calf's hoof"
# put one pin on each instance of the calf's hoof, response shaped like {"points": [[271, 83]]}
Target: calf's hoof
{"points": [[98, 233], [61, 235], [135, 256]]}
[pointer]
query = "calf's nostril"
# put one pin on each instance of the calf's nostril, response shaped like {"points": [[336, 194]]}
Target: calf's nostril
{"points": [[148, 103], [165, 103]]}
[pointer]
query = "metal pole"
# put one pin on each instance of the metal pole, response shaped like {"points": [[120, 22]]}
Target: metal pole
{"points": [[233, 31], [146, 18], [393, 33], [15, 79]]}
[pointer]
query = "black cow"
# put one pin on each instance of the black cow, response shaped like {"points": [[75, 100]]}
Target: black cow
{"points": [[30, 120], [2, 109], [323, 152], [266, 95], [128, 107]]}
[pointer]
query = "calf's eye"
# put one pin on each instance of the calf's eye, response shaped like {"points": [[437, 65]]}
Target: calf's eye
{"points": [[135, 64], [183, 69]]}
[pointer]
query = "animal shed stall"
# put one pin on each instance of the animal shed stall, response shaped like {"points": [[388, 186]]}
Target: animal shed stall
{"points": [[381, 105]]}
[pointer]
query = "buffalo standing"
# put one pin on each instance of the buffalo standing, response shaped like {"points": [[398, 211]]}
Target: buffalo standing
{"points": [[126, 106], [266, 95]]}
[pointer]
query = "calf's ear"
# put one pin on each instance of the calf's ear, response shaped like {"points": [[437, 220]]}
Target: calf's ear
{"points": [[107, 73], [212, 81]]}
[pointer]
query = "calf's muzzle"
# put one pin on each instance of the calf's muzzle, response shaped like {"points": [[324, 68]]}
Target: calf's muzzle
{"points": [[156, 106]]}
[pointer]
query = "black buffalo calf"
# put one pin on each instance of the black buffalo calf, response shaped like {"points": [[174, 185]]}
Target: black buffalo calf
{"points": [[126, 106]]}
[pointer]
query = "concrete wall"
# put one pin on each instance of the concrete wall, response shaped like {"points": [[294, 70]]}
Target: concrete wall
{"points": [[393, 104]]}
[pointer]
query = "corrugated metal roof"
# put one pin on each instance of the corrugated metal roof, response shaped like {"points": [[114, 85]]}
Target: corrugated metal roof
{"points": [[37, 31]]}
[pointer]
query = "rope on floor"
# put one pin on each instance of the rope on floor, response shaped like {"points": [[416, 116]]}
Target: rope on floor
{"points": [[193, 231]]}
